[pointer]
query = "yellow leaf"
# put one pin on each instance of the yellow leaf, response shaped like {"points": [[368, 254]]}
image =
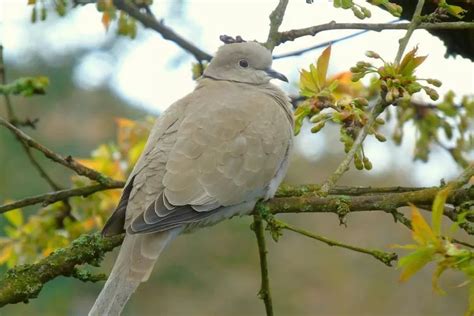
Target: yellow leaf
{"points": [[123, 122], [438, 209], [422, 232], [135, 152], [5, 253], [323, 62], [15, 217]]}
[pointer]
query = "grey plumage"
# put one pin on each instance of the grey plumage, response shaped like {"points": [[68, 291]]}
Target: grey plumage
{"points": [[210, 156]]}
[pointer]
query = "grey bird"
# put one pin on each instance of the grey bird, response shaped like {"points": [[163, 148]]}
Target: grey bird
{"points": [[210, 156]]}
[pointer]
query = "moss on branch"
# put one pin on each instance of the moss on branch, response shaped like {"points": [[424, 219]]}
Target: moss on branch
{"points": [[26, 281]]}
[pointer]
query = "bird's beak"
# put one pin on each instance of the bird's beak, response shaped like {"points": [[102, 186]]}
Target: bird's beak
{"points": [[275, 74]]}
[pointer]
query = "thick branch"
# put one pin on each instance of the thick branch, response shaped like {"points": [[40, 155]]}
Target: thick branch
{"points": [[313, 203], [52, 197], [151, 22], [291, 35], [68, 162], [286, 190], [14, 284], [26, 281]]}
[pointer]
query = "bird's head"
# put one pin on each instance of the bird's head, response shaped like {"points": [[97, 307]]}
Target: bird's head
{"points": [[246, 62]]}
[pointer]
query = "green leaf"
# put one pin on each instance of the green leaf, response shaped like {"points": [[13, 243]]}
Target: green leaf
{"points": [[301, 112], [15, 217], [435, 278], [415, 261], [470, 309]]}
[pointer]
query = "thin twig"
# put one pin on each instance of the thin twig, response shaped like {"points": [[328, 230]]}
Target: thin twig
{"points": [[344, 165], [68, 162], [276, 18], [52, 197], [167, 33], [415, 21], [264, 292], [3, 80], [291, 35], [384, 257]]}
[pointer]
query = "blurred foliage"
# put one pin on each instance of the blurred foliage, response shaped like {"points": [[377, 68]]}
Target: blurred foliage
{"points": [[431, 245], [26, 86], [345, 101], [56, 225]]}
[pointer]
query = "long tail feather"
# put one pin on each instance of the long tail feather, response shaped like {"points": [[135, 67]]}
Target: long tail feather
{"points": [[134, 265]]}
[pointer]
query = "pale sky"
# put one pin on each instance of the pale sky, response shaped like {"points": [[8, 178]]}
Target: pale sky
{"points": [[152, 73]]}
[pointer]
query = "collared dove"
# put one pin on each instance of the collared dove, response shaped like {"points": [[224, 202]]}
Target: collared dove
{"points": [[210, 156]]}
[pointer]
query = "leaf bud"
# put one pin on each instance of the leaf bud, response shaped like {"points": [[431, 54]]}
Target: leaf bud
{"points": [[316, 128], [434, 82], [372, 54], [367, 163]]}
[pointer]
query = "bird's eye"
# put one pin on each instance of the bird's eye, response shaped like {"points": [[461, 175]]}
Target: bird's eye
{"points": [[243, 63]]}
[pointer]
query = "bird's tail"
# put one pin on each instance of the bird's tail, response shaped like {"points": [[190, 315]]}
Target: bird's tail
{"points": [[134, 264]]}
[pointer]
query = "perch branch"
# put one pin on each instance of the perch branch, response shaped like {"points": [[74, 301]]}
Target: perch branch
{"points": [[14, 284]]}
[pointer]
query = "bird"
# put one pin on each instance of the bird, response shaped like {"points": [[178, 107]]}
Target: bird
{"points": [[210, 156]]}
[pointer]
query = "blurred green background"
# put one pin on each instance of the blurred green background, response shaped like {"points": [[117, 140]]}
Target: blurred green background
{"points": [[215, 271]]}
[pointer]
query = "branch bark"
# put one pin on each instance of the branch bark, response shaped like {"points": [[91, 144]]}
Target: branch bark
{"points": [[25, 282], [151, 22], [291, 35], [68, 162], [52, 197]]}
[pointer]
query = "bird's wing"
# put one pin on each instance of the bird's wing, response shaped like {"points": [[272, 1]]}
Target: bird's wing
{"points": [[145, 180], [225, 152]]}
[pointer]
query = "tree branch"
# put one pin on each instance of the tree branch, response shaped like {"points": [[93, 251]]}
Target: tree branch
{"points": [[384, 257], [344, 165], [52, 197], [264, 292], [276, 18], [167, 33], [415, 21], [286, 190], [26, 281], [14, 285], [291, 35], [68, 162]]}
